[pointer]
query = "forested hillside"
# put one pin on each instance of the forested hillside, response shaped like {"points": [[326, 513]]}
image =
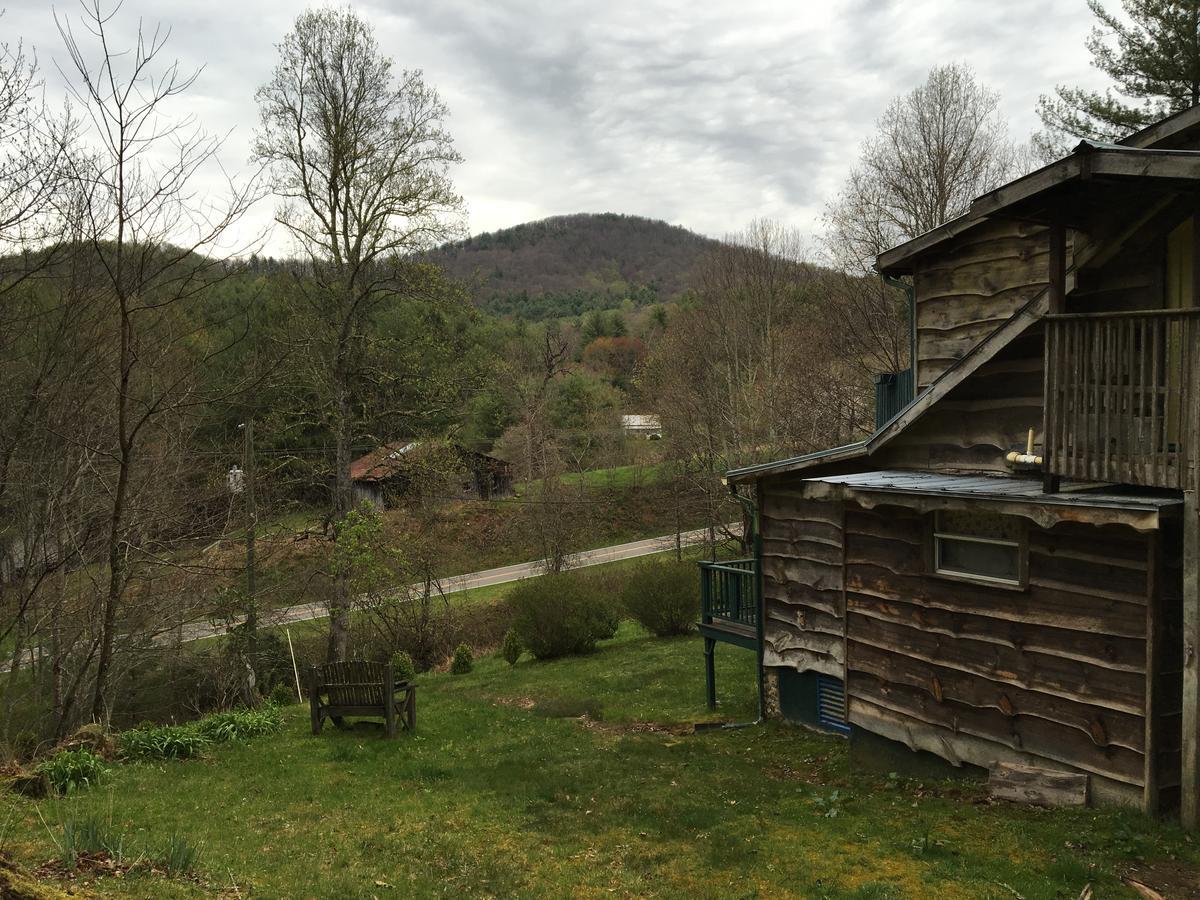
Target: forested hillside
{"points": [[568, 265]]}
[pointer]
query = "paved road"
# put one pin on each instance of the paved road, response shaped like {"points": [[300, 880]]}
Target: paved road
{"points": [[197, 631]]}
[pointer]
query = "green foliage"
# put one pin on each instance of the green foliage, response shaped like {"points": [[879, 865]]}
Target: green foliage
{"points": [[403, 668], [663, 596], [162, 742], [179, 857], [283, 694], [512, 648], [192, 739], [69, 770], [1152, 55], [240, 724], [88, 833], [464, 660], [360, 550], [562, 615]]}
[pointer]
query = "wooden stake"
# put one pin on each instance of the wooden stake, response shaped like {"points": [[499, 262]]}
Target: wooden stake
{"points": [[295, 668]]}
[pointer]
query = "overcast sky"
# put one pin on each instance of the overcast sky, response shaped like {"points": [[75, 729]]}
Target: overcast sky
{"points": [[705, 114]]}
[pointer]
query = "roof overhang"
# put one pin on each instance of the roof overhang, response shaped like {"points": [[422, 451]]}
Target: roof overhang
{"points": [[1081, 502], [1057, 191]]}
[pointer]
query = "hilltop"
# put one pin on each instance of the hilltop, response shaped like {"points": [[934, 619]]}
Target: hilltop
{"points": [[567, 265]]}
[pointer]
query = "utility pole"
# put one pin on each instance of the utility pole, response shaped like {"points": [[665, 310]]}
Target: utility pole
{"points": [[252, 515]]}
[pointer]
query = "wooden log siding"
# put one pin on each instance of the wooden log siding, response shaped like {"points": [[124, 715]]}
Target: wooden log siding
{"points": [[966, 290], [979, 421], [1055, 675], [802, 581]]}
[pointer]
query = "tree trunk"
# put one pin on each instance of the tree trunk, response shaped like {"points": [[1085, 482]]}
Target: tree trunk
{"points": [[339, 607]]}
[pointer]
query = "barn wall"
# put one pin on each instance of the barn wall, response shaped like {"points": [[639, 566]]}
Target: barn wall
{"points": [[971, 286], [802, 579], [1054, 675]]}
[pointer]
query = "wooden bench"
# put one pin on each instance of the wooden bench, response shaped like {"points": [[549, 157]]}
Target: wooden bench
{"points": [[360, 688]]}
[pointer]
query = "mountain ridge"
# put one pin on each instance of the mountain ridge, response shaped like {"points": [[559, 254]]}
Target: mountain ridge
{"points": [[570, 264]]}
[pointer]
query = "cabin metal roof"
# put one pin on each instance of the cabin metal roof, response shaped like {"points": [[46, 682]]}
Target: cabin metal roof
{"points": [[1075, 501], [1070, 493]]}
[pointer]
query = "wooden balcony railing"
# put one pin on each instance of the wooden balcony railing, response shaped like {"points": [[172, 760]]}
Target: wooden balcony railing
{"points": [[1122, 403]]}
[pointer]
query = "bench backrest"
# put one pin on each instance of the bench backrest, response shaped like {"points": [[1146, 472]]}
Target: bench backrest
{"points": [[354, 682]]}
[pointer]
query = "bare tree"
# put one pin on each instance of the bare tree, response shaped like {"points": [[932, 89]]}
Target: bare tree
{"points": [[749, 372], [934, 150], [360, 159], [153, 239]]}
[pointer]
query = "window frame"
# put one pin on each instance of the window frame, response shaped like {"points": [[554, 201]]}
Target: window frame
{"points": [[937, 535]]}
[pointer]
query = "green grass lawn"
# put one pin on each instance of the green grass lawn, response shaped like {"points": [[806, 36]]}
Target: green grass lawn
{"points": [[505, 790]]}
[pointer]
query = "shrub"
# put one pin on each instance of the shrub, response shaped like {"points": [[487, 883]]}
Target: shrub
{"points": [[562, 615], [403, 668], [239, 724], [283, 694], [163, 742], [69, 770], [663, 596], [512, 648], [464, 660]]}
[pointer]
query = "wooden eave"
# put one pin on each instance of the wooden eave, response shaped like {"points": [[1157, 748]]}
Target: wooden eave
{"points": [[977, 356], [1168, 132], [1088, 165]]}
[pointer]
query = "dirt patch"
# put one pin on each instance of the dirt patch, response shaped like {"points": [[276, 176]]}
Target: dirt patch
{"points": [[1171, 878], [676, 729], [518, 702]]}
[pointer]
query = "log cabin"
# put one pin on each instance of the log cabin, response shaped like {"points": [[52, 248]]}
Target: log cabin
{"points": [[1006, 569]]}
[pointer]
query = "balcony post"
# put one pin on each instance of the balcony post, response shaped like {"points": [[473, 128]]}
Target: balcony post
{"points": [[1056, 296], [1190, 781]]}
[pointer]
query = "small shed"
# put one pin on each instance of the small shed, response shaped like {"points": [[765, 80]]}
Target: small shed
{"points": [[644, 426], [389, 471]]}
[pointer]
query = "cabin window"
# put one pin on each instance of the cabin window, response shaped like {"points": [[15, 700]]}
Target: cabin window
{"points": [[979, 547]]}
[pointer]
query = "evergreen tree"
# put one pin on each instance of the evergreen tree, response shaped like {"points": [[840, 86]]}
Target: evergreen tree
{"points": [[1154, 62]]}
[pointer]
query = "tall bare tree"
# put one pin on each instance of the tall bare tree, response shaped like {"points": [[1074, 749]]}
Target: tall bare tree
{"points": [[360, 159], [934, 150], [153, 238]]}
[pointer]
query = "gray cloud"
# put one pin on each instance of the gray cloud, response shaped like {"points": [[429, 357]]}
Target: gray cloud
{"points": [[703, 114]]}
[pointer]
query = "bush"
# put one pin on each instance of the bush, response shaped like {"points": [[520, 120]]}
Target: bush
{"points": [[239, 724], [283, 694], [663, 596], [562, 615], [163, 742], [69, 770], [403, 668], [512, 648], [464, 660]]}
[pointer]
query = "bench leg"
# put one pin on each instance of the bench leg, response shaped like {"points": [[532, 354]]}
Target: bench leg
{"points": [[314, 706], [389, 719], [410, 708]]}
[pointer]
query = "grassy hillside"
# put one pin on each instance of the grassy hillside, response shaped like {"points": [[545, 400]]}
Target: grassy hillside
{"points": [[582, 777], [567, 265]]}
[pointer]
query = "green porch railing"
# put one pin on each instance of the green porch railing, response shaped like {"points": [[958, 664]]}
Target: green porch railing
{"points": [[727, 593], [729, 613]]}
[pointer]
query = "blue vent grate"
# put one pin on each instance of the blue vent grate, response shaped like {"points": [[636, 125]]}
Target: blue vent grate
{"points": [[831, 704]]}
